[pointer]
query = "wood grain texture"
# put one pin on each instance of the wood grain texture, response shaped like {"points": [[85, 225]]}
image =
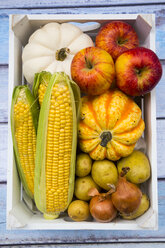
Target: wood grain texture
{"points": [[160, 148], [160, 95], [111, 245], [3, 93], [73, 3], [3, 152], [4, 39], [87, 236], [159, 11]]}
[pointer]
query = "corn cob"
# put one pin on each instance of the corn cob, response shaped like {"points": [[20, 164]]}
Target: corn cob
{"points": [[40, 84], [56, 146], [24, 119]]}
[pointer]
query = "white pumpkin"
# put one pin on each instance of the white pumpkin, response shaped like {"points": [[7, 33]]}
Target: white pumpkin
{"points": [[52, 48]]}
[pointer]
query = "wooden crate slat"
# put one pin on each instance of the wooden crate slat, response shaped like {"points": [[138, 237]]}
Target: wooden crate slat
{"points": [[63, 237]]}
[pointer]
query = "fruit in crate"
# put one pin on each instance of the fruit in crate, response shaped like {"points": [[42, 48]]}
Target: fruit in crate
{"points": [[127, 196], [110, 125], [83, 165], [93, 70], [51, 48], [116, 37], [139, 167], [144, 205], [82, 186], [78, 210], [138, 71], [104, 173], [101, 206], [56, 147], [24, 122]]}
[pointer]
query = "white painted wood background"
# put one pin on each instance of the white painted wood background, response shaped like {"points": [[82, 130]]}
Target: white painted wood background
{"points": [[86, 238]]}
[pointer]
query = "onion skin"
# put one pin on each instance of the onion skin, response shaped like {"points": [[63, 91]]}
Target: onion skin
{"points": [[144, 205], [102, 209], [127, 197]]}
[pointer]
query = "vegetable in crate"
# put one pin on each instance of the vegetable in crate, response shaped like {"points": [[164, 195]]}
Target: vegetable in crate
{"points": [[41, 81], [24, 120], [110, 125], [127, 197], [82, 186], [51, 48], [101, 206], [78, 210], [56, 147], [40, 84], [83, 165], [144, 205]]}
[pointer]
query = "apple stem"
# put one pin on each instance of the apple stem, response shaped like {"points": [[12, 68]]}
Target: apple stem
{"points": [[121, 41], [139, 71], [88, 64], [61, 54]]}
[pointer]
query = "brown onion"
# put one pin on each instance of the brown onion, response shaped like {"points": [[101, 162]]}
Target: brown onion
{"points": [[127, 196], [101, 206]]}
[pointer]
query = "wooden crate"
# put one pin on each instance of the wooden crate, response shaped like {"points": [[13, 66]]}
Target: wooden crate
{"points": [[18, 213]]}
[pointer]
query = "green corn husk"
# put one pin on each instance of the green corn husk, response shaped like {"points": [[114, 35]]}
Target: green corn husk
{"points": [[41, 182], [41, 78], [44, 78], [23, 95]]}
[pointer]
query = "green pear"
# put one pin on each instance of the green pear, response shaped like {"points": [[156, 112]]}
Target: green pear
{"points": [[139, 166], [104, 173]]}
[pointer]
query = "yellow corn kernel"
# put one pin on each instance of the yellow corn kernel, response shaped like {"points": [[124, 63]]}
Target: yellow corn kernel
{"points": [[41, 93], [57, 180], [26, 140]]}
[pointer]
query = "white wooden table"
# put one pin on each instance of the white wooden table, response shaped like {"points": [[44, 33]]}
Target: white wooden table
{"points": [[86, 238]]}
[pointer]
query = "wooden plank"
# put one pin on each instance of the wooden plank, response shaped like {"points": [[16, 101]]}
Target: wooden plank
{"points": [[73, 3], [160, 90], [3, 152], [118, 245], [3, 93], [4, 39], [160, 149], [157, 9], [160, 94], [87, 236]]}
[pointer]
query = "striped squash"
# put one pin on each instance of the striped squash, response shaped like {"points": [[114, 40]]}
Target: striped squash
{"points": [[110, 125]]}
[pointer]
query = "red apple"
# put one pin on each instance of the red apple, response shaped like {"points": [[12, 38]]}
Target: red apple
{"points": [[116, 37], [93, 70], [137, 71]]}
